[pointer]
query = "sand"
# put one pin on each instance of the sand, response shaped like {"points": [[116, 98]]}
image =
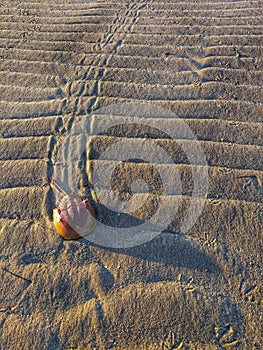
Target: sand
{"points": [[200, 61]]}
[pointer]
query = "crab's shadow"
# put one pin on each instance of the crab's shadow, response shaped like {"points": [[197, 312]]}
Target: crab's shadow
{"points": [[174, 250]]}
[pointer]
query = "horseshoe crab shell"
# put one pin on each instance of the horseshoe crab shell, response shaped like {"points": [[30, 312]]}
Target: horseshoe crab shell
{"points": [[73, 218]]}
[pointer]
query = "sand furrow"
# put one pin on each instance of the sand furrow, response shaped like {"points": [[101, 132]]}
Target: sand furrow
{"points": [[198, 59], [27, 202], [86, 27], [44, 17], [184, 50], [204, 129], [61, 27], [180, 51], [55, 51], [176, 206], [43, 126], [9, 110], [201, 20], [205, 5], [21, 94], [192, 30], [225, 154], [160, 5], [146, 76], [23, 173], [180, 107], [28, 79], [227, 13], [25, 148], [224, 183], [141, 76], [183, 64], [62, 69], [50, 36], [60, 11], [202, 40], [210, 90], [236, 111]]}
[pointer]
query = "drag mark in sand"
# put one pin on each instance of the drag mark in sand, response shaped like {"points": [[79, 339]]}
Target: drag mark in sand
{"points": [[108, 44]]}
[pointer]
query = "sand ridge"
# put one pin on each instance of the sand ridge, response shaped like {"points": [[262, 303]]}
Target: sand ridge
{"points": [[199, 60]]}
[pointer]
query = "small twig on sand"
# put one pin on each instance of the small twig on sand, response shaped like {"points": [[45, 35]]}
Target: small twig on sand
{"points": [[14, 274]]}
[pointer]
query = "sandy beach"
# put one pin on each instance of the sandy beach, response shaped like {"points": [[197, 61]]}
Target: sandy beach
{"points": [[172, 94]]}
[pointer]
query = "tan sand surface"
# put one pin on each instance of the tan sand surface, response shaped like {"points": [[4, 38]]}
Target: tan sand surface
{"points": [[201, 60]]}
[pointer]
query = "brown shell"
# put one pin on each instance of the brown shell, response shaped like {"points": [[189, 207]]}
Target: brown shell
{"points": [[74, 218]]}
